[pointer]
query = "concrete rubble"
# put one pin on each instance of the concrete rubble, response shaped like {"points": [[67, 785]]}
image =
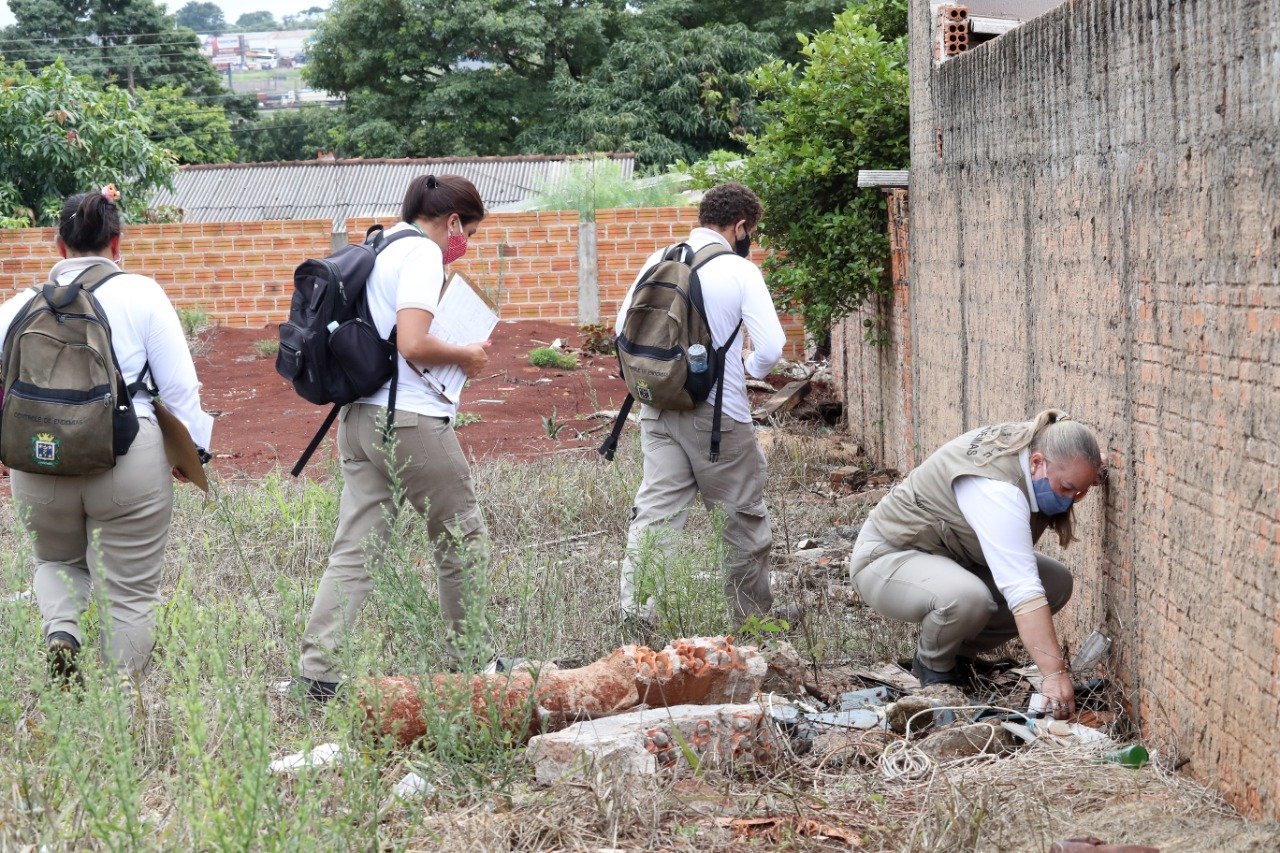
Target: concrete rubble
{"points": [[727, 737], [706, 702], [535, 699]]}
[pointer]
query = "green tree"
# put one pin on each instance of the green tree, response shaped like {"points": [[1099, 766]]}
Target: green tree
{"points": [[194, 131], [202, 17], [454, 76], [61, 134], [844, 108], [132, 43], [256, 22], [666, 96], [783, 21], [305, 19], [290, 135]]}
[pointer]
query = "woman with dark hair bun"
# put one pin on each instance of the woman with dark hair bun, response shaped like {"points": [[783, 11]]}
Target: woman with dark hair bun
{"points": [[404, 292], [101, 537]]}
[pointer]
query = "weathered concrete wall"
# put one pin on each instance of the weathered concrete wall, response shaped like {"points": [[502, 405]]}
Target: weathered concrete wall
{"points": [[874, 377], [1095, 224]]}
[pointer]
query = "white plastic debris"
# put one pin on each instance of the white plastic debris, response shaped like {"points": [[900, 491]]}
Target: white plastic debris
{"points": [[25, 595], [324, 755], [413, 787]]}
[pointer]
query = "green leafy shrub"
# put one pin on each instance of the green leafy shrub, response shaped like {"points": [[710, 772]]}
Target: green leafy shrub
{"points": [[598, 184], [61, 134], [843, 109], [598, 338], [549, 357]]}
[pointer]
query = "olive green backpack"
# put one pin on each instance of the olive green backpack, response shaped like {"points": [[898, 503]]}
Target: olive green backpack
{"points": [[665, 318], [65, 409]]}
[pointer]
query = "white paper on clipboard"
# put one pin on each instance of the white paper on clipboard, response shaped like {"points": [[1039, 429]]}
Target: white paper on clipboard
{"points": [[461, 318]]}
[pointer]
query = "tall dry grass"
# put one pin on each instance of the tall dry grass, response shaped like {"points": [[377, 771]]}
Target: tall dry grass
{"points": [[182, 762]]}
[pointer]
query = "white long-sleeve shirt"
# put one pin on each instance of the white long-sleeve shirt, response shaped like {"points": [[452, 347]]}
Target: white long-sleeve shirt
{"points": [[1000, 515], [733, 289], [145, 329]]}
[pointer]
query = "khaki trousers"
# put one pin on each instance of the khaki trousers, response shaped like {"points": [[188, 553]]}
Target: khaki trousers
{"points": [[436, 481], [959, 609], [104, 536], [676, 469]]}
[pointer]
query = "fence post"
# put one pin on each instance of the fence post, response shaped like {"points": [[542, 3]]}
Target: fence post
{"points": [[588, 272]]}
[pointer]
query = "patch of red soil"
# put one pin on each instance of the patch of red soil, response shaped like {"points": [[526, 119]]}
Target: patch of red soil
{"points": [[262, 424]]}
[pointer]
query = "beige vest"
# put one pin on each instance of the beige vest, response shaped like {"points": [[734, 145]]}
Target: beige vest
{"points": [[921, 512]]}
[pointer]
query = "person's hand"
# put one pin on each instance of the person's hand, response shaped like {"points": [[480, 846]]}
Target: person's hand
{"points": [[1059, 693], [474, 358], [179, 476]]}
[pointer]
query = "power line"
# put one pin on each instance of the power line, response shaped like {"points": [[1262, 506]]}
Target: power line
{"points": [[84, 48], [139, 35]]}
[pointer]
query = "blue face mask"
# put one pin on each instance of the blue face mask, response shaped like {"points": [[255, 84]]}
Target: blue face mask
{"points": [[1049, 501]]}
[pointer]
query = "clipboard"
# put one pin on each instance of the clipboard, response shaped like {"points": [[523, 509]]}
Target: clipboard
{"points": [[179, 447]]}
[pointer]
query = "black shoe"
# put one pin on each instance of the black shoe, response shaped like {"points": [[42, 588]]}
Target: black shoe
{"points": [[954, 676], [316, 691], [62, 651]]}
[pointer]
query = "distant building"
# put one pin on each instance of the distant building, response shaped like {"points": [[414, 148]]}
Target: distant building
{"points": [[340, 189]]}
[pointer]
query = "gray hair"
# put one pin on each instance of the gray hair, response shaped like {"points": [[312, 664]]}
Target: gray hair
{"points": [[1053, 434]]}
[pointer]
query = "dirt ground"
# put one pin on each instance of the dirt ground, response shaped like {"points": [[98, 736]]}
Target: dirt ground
{"points": [[261, 424]]}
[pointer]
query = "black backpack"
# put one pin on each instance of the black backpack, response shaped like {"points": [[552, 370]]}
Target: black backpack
{"points": [[330, 348], [665, 318]]}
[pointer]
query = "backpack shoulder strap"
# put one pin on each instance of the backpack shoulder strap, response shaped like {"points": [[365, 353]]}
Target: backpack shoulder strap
{"points": [[95, 276], [399, 235], [707, 253]]}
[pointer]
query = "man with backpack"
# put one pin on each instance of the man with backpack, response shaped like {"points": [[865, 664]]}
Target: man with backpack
{"points": [[697, 436]]}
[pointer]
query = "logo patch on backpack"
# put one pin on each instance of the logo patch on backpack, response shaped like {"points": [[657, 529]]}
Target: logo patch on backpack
{"points": [[643, 392], [44, 449]]}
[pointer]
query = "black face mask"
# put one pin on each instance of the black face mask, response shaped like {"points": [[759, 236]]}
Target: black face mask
{"points": [[742, 246]]}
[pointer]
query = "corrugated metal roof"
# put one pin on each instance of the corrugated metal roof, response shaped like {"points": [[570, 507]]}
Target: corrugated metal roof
{"points": [[340, 189]]}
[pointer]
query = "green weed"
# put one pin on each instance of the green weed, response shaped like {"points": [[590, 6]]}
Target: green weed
{"points": [[549, 357]]}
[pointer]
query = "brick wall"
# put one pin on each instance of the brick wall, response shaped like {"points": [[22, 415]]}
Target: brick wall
{"points": [[526, 262], [1094, 224], [241, 273], [874, 377]]}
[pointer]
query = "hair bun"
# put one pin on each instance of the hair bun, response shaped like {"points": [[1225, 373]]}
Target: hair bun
{"points": [[432, 183]]}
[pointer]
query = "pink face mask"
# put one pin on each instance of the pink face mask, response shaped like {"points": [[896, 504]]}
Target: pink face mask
{"points": [[457, 247]]}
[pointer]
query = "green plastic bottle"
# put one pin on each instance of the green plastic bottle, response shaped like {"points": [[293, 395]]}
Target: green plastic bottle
{"points": [[1134, 755]]}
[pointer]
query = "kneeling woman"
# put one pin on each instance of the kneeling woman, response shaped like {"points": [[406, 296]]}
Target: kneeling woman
{"points": [[951, 547]]}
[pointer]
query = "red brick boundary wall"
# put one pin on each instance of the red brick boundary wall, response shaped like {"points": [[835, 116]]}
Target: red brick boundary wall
{"points": [[241, 272], [1094, 221]]}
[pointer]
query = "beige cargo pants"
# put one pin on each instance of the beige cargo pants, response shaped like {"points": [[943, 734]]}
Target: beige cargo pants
{"points": [[959, 609], [102, 538], [676, 470], [436, 481]]}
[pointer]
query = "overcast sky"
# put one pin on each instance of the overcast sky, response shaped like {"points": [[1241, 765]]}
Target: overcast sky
{"points": [[231, 9]]}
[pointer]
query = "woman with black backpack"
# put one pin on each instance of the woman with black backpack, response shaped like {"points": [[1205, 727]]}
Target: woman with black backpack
{"points": [[404, 291], [96, 496]]}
